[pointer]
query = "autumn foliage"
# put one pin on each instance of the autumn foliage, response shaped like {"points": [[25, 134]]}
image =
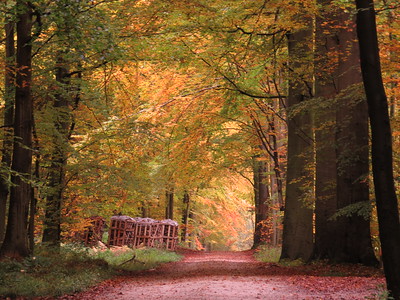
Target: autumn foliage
{"points": [[189, 109]]}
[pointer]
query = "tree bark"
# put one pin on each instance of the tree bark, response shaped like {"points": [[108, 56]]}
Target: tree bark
{"points": [[15, 243], [169, 210], [298, 219], [352, 235], [9, 98], [269, 146], [145, 210], [382, 162], [185, 216], [341, 142], [56, 177], [261, 199], [326, 74]]}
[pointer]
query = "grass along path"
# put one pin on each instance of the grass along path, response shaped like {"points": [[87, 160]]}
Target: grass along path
{"points": [[73, 269]]}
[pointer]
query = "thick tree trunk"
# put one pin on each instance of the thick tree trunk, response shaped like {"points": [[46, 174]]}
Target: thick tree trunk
{"points": [[16, 239], [352, 236], [261, 199], [298, 219], [382, 163], [9, 98], [326, 74], [56, 177], [341, 142]]}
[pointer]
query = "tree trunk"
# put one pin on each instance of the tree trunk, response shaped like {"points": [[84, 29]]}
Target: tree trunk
{"points": [[269, 145], [352, 236], [169, 210], [190, 235], [341, 142], [56, 177], [16, 239], [9, 98], [382, 163], [326, 74], [277, 139], [298, 219], [275, 158], [185, 216], [261, 199], [145, 210]]}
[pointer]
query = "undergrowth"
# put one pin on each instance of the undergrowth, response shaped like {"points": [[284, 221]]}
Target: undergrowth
{"points": [[381, 293], [269, 254], [136, 259], [73, 269]]}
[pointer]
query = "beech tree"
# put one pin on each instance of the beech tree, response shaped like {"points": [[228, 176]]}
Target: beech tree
{"points": [[353, 237], [342, 204], [382, 164], [326, 74], [58, 158], [297, 239], [15, 243], [261, 199], [9, 98], [72, 57]]}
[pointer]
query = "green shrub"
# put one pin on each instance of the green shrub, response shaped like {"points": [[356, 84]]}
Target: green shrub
{"points": [[51, 274], [146, 258], [266, 253], [72, 269]]}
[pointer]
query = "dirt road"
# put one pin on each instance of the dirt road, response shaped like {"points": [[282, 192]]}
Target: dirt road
{"points": [[234, 276]]}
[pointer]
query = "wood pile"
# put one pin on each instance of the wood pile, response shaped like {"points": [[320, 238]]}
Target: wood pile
{"points": [[92, 233], [143, 232]]}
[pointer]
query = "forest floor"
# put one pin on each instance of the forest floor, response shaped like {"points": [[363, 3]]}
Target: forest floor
{"points": [[237, 275]]}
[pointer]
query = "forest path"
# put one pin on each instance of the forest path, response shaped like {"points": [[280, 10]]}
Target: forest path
{"points": [[234, 276]]}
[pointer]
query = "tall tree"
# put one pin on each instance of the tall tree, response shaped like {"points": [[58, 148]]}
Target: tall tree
{"points": [[72, 23], [352, 235], [297, 236], [16, 239], [382, 164], [9, 98], [326, 74], [267, 200], [342, 143], [58, 157]]}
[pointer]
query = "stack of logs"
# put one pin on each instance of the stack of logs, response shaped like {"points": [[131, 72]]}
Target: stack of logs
{"points": [[143, 232], [93, 233], [133, 232]]}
